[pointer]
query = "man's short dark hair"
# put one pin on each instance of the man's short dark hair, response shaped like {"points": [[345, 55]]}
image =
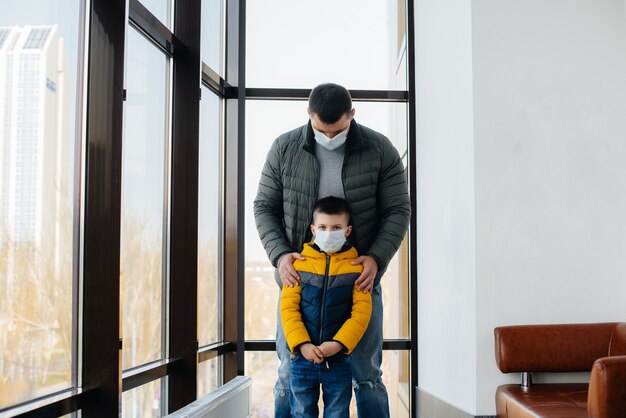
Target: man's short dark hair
{"points": [[330, 102], [331, 205]]}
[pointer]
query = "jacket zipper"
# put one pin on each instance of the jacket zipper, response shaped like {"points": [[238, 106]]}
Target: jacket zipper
{"points": [[324, 298]]}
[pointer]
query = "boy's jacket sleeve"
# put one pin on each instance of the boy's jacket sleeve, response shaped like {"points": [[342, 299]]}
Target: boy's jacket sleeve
{"points": [[291, 318], [353, 329]]}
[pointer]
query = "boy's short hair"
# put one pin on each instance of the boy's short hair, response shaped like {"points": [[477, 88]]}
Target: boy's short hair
{"points": [[330, 102], [331, 205]]}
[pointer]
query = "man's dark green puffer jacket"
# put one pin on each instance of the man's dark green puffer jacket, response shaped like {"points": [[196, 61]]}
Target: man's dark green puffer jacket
{"points": [[374, 184]]}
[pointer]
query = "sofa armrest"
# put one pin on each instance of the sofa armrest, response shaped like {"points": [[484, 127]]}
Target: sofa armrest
{"points": [[607, 388]]}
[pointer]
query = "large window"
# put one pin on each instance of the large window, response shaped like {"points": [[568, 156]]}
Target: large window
{"points": [[143, 402], [210, 219], [212, 51], [211, 198], [132, 136], [145, 183], [261, 290], [294, 44], [39, 93], [363, 46]]}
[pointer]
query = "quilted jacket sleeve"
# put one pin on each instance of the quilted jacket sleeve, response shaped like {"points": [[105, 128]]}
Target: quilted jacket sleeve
{"points": [[268, 207], [394, 207], [291, 318], [353, 329]]}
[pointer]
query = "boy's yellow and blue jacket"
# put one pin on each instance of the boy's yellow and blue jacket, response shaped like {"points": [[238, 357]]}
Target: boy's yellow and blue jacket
{"points": [[326, 306]]}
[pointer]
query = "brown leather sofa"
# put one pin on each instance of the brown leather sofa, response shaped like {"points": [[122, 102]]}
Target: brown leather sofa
{"points": [[600, 348]]}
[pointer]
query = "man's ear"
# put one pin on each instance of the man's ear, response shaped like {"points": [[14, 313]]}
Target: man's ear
{"points": [[352, 113], [308, 111], [348, 230]]}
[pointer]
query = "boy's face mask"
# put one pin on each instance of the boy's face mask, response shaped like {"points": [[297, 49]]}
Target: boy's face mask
{"points": [[330, 241]]}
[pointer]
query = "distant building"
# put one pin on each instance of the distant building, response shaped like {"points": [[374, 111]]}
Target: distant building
{"points": [[33, 140]]}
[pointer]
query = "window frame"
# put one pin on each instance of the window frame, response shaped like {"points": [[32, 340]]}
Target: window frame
{"points": [[99, 380]]}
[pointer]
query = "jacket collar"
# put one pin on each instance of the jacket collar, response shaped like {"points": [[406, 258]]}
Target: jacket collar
{"points": [[311, 250], [354, 141]]}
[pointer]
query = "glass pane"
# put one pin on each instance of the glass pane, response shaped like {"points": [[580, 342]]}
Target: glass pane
{"points": [[143, 402], [262, 368], [143, 195], [261, 290], [40, 58], [213, 35], [302, 44], [160, 9], [209, 215], [209, 376], [396, 377]]}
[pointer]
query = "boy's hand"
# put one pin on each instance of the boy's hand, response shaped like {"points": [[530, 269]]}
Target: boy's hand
{"points": [[365, 282], [289, 275], [330, 348], [312, 353]]}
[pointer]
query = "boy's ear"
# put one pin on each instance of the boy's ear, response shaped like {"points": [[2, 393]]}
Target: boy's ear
{"points": [[312, 230], [348, 230]]}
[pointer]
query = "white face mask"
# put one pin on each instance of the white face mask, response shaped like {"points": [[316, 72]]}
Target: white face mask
{"points": [[330, 241], [331, 143]]}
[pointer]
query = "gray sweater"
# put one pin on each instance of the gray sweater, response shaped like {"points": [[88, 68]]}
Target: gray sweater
{"points": [[331, 163]]}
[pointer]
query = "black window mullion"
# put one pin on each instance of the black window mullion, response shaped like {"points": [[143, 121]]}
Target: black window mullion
{"points": [[144, 21], [138, 376], [303, 94], [216, 83], [52, 405], [183, 282], [233, 278], [270, 345], [412, 168], [100, 368]]}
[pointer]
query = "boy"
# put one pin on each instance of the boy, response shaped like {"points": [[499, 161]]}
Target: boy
{"points": [[325, 317]]}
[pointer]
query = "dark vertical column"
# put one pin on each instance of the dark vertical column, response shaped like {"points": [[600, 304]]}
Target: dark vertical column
{"points": [[183, 284], [234, 188], [410, 33], [100, 286]]}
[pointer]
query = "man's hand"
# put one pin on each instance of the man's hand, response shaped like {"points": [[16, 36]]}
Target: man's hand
{"points": [[312, 353], [289, 275], [365, 282], [330, 348]]}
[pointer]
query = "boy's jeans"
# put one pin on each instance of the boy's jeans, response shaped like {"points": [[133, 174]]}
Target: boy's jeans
{"points": [[306, 378], [371, 394]]}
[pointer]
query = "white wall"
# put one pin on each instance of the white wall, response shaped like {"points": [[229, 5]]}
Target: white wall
{"points": [[447, 303], [550, 159], [542, 179]]}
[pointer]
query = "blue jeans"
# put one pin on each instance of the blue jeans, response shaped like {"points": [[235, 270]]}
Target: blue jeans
{"points": [[306, 378], [371, 394]]}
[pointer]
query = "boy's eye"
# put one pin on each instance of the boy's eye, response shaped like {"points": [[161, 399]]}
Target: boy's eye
{"points": [[322, 228]]}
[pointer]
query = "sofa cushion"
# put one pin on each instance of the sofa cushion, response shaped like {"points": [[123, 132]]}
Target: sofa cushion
{"points": [[556, 400]]}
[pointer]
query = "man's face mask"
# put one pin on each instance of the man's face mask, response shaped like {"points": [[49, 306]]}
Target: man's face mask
{"points": [[331, 143], [330, 241]]}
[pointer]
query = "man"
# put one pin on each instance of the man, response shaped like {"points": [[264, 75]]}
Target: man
{"points": [[333, 155]]}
